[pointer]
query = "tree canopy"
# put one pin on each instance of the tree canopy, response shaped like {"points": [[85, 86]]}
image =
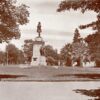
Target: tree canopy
{"points": [[51, 55], [14, 55], [94, 46], [83, 5], [65, 54], [28, 50], [11, 16], [80, 4]]}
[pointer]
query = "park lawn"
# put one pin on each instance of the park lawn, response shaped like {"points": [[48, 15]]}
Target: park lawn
{"points": [[48, 73]]}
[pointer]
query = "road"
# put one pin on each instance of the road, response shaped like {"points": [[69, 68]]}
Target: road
{"points": [[45, 90]]}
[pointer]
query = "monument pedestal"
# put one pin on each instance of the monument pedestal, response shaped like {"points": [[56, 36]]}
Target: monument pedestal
{"points": [[37, 58]]}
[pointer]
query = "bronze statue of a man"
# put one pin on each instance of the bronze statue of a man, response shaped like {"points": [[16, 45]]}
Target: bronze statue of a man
{"points": [[39, 30]]}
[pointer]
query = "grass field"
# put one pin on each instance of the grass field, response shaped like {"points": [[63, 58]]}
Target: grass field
{"points": [[48, 73]]}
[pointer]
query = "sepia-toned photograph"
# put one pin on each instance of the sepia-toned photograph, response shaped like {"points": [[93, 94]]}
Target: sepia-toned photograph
{"points": [[50, 49]]}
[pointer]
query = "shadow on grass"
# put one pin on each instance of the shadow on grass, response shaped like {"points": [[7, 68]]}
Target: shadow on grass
{"points": [[91, 76], [92, 93], [10, 76]]}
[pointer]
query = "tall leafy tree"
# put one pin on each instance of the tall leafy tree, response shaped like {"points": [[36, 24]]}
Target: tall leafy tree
{"points": [[80, 49], [65, 54], [11, 16], [94, 47]]}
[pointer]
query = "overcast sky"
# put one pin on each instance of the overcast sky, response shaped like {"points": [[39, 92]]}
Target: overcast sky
{"points": [[58, 28]]}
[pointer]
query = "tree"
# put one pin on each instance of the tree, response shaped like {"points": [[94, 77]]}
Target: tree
{"points": [[21, 58], [11, 16], [11, 54], [28, 50], [94, 47], [2, 57], [51, 55], [76, 36], [65, 54], [14, 55], [80, 52], [83, 5]]}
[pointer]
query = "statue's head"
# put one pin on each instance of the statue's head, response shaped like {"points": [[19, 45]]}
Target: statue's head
{"points": [[39, 23]]}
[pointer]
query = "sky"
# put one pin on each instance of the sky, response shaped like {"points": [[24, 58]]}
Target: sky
{"points": [[58, 28]]}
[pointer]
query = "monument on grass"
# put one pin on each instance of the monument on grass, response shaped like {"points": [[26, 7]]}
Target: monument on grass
{"points": [[38, 57]]}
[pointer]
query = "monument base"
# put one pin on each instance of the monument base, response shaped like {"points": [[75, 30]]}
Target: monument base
{"points": [[41, 61]]}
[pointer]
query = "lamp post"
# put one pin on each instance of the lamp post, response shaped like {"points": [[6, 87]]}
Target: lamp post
{"points": [[7, 57], [7, 52]]}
